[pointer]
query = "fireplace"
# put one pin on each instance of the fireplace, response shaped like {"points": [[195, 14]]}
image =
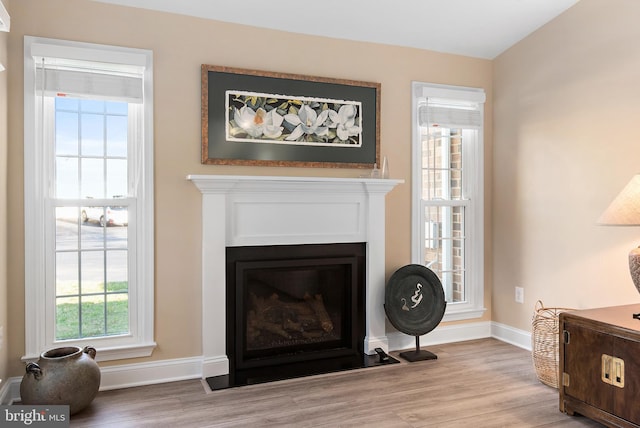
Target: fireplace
{"points": [[261, 211], [294, 310]]}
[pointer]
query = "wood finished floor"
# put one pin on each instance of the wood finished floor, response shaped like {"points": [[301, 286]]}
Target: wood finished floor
{"points": [[474, 384]]}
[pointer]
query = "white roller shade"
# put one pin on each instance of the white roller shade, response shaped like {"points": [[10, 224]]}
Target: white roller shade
{"points": [[449, 106], [450, 114], [88, 81], [88, 73]]}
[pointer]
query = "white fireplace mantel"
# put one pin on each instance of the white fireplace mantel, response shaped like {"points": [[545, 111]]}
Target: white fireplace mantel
{"points": [[265, 210]]}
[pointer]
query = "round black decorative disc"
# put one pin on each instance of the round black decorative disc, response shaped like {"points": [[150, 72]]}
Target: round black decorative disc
{"points": [[414, 300]]}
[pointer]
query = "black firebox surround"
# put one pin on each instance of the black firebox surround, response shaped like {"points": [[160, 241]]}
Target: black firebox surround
{"points": [[345, 354]]}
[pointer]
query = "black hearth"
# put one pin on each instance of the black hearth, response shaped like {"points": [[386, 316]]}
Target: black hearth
{"points": [[294, 310]]}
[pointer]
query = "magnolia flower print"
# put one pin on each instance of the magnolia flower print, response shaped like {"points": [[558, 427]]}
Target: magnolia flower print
{"points": [[282, 119], [258, 123], [307, 121], [345, 121]]}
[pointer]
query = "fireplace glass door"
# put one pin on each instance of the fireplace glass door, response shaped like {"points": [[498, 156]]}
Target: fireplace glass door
{"points": [[294, 306]]}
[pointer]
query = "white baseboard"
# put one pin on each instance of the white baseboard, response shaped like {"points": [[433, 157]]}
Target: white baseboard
{"points": [[514, 336], [371, 343], [4, 389], [462, 332], [127, 376], [139, 374], [215, 366], [442, 334], [10, 390]]}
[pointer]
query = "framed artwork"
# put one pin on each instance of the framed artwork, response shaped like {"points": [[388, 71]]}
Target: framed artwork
{"points": [[263, 118]]}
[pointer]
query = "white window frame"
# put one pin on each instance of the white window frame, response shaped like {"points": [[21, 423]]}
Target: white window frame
{"points": [[473, 195], [40, 230]]}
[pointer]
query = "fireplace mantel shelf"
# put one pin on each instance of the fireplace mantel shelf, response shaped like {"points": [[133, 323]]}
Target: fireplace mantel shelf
{"points": [[239, 210], [251, 183]]}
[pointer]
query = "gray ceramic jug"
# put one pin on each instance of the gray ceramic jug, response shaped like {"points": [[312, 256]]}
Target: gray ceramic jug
{"points": [[66, 375]]}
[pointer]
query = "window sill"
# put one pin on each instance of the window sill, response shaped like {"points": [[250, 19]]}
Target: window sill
{"points": [[111, 353], [463, 314]]}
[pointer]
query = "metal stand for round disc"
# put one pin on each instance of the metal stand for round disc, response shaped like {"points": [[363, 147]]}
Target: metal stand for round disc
{"points": [[418, 354]]}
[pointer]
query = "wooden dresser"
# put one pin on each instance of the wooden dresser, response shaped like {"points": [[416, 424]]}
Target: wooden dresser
{"points": [[600, 365]]}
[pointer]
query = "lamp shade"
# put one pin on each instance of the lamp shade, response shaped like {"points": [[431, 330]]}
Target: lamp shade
{"points": [[625, 208]]}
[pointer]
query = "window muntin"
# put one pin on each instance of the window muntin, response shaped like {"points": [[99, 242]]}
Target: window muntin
{"points": [[445, 249], [92, 244], [447, 189], [444, 208], [86, 258]]}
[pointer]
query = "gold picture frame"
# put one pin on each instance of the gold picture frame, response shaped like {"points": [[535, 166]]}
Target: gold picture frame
{"points": [[261, 118]]}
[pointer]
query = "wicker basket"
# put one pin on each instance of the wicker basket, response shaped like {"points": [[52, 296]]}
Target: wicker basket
{"points": [[544, 343]]}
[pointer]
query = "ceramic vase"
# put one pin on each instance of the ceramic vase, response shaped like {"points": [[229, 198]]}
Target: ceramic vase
{"points": [[62, 376]]}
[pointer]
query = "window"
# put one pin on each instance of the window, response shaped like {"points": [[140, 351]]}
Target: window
{"points": [[447, 211], [88, 198]]}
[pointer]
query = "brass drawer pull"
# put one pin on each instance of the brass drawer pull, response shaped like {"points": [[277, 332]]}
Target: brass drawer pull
{"points": [[612, 370], [618, 365], [606, 368]]}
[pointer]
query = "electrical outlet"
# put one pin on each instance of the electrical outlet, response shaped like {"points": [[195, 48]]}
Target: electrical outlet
{"points": [[519, 295]]}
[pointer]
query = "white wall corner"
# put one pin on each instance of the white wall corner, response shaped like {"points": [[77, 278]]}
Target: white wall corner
{"points": [[5, 19]]}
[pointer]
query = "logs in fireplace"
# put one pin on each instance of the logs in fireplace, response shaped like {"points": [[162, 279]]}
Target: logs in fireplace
{"points": [[306, 320], [294, 310]]}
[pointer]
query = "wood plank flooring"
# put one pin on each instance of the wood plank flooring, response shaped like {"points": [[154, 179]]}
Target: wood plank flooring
{"points": [[480, 383]]}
